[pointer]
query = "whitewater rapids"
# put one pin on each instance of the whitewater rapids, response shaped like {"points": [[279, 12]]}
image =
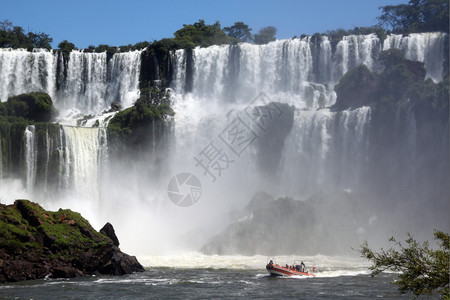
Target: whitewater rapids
{"points": [[326, 266]]}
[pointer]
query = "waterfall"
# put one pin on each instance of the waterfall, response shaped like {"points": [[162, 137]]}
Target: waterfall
{"points": [[30, 157], [284, 69], [324, 150], [279, 95], [355, 50], [423, 47], [324, 61], [85, 152], [22, 71], [88, 84], [123, 75], [85, 83], [64, 162]]}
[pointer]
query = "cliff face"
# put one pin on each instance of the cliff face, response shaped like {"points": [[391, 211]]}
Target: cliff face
{"points": [[35, 243]]}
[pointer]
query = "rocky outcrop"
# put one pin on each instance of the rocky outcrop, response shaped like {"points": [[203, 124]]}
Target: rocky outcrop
{"points": [[323, 223], [37, 107], [35, 243], [109, 231], [356, 88]]}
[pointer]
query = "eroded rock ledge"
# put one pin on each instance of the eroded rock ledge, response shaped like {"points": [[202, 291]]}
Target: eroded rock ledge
{"points": [[35, 243]]}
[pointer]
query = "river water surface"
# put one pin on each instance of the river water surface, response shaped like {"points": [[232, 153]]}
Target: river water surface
{"points": [[199, 276]]}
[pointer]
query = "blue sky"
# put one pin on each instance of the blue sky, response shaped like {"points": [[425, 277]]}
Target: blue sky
{"points": [[122, 22]]}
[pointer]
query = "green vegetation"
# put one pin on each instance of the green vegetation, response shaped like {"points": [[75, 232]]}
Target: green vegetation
{"points": [[66, 47], [26, 225], [423, 270], [110, 50], [265, 35], [202, 35], [239, 31], [14, 233], [15, 115], [152, 105], [416, 16], [15, 37], [355, 86], [400, 84], [187, 37], [36, 243], [35, 106], [336, 35]]}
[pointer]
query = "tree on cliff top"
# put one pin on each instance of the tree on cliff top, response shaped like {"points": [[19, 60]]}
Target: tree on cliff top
{"points": [[15, 37], [416, 16], [203, 35], [240, 31], [265, 35], [422, 270]]}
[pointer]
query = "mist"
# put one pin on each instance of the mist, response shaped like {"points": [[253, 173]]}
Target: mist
{"points": [[249, 119]]}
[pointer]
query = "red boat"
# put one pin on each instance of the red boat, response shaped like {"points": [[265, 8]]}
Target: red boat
{"points": [[293, 270]]}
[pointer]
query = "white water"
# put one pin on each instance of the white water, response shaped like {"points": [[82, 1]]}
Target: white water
{"points": [[85, 155], [318, 147], [319, 142], [30, 158], [324, 150], [326, 266], [24, 72], [89, 87], [356, 50], [86, 78], [92, 82], [423, 47]]}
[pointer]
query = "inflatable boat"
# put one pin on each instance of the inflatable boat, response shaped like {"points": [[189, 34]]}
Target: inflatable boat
{"points": [[288, 270]]}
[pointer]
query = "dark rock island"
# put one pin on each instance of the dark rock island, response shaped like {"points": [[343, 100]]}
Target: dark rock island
{"points": [[35, 243]]}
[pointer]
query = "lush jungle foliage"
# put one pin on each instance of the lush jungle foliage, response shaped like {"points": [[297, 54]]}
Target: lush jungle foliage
{"points": [[15, 37], [239, 31], [422, 270], [265, 35], [416, 16], [399, 83], [35, 107], [152, 105]]}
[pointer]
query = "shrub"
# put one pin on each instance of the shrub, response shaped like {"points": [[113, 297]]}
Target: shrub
{"points": [[31, 106]]}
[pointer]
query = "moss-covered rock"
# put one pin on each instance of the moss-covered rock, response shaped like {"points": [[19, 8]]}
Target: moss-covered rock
{"points": [[36, 107], [35, 243], [400, 84], [356, 88], [151, 109]]}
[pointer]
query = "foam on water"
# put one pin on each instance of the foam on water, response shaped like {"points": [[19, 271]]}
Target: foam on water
{"points": [[326, 266]]}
